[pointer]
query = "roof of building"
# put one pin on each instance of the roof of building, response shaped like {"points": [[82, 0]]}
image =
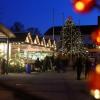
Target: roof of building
{"points": [[6, 33], [57, 30], [85, 29], [20, 37]]}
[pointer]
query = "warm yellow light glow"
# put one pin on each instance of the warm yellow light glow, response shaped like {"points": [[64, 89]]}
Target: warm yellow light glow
{"points": [[79, 6], [52, 46], [18, 49], [55, 48], [3, 48], [44, 42], [97, 94], [98, 68], [35, 41], [87, 51], [12, 63], [27, 40], [98, 39], [98, 47], [92, 92], [45, 45], [49, 43]]}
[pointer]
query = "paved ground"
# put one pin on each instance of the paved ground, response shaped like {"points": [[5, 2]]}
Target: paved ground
{"points": [[43, 86]]}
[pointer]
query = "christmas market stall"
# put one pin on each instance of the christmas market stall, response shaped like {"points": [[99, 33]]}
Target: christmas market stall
{"points": [[5, 35], [26, 48]]}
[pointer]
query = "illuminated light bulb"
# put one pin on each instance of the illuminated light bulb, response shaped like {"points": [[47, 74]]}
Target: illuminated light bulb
{"points": [[79, 6]]}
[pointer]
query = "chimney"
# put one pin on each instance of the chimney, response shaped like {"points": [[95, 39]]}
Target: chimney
{"points": [[99, 21]]}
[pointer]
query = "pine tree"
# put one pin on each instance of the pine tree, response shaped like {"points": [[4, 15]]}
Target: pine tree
{"points": [[71, 39]]}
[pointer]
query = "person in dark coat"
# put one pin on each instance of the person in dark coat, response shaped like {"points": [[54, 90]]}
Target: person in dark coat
{"points": [[28, 68], [79, 66], [87, 67], [38, 65], [3, 66], [59, 64], [47, 64], [63, 64]]}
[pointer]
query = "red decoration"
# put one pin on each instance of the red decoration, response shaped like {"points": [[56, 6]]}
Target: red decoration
{"points": [[94, 81]]}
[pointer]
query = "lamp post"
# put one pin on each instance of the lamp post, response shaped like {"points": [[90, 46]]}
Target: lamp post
{"points": [[53, 24]]}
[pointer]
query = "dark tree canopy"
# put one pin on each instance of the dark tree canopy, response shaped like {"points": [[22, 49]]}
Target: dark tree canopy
{"points": [[34, 31], [17, 27]]}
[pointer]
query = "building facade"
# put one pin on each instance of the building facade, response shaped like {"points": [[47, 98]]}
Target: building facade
{"points": [[31, 46]]}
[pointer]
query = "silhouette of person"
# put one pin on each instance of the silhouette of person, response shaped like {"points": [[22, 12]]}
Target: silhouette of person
{"points": [[79, 67]]}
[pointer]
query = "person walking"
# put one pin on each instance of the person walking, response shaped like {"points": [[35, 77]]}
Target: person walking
{"points": [[79, 67], [87, 67], [38, 65], [3, 66], [28, 68]]}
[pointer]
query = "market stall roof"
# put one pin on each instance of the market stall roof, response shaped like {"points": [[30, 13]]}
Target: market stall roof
{"points": [[5, 33], [20, 37]]}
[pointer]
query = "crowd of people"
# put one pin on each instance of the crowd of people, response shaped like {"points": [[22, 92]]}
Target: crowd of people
{"points": [[81, 65], [50, 63], [60, 64], [84, 65]]}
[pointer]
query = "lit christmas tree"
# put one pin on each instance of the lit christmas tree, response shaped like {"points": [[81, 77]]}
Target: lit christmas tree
{"points": [[71, 39]]}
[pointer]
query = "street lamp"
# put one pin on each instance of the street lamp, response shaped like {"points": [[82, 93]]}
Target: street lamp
{"points": [[79, 6]]}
